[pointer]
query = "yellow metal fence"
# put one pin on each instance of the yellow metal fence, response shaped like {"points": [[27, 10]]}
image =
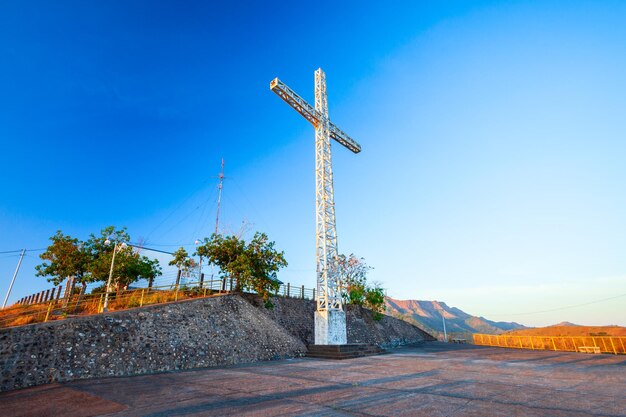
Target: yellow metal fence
{"points": [[600, 344]]}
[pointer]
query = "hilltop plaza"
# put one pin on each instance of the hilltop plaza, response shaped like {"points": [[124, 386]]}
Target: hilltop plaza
{"points": [[434, 379]]}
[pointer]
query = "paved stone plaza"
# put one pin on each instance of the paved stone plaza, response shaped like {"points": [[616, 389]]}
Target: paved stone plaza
{"points": [[435, 379]]}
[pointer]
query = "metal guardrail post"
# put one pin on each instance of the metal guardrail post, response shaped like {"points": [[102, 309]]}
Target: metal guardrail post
{"points": [[48, 312], [607, 344]]}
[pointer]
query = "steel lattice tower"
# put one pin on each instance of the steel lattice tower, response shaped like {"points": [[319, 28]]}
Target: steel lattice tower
{"points": [[330, 327]]}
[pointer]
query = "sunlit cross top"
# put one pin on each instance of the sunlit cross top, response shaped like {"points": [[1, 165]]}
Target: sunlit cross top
{"points": [[330, 327]]}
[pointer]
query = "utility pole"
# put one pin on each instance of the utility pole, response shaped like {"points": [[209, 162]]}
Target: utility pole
{"points": [[445, 334], [219, 197], [13, 280]]}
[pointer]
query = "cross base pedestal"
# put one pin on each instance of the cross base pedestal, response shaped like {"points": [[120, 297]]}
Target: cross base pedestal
{"points": [[330, 327], [343, 351]]}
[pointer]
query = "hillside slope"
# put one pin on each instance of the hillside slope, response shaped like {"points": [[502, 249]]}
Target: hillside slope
{"points": [[427, 315]]}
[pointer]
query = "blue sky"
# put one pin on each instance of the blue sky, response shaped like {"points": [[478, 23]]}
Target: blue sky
{"points": [[491, 175]]}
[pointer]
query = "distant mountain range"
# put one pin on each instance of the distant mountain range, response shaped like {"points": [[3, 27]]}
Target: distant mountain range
{"points": [[427, 316], [564, 323]]}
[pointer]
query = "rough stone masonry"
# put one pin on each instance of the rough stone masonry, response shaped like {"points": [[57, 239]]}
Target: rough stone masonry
{"points": [[188, 334]]}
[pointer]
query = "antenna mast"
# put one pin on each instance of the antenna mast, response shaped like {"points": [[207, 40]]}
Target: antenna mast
{"points": [[219, 197]]}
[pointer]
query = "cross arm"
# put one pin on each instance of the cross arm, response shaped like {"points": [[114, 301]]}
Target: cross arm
{"points": [[344, 139], [308, 112], [298, 103]]}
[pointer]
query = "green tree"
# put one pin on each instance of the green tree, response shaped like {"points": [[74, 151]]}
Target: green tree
{"points": [[149, 269], [226, 252], [102, 252], [66, 257], [182, 261], [180, 258], [90, 261], [133, 267], [252, 266], [353, 276], [129, 265], [375, 300], [355, 288]]}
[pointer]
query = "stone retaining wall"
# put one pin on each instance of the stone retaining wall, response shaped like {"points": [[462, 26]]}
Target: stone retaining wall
{"points": [[188, 334], [296, 316]]}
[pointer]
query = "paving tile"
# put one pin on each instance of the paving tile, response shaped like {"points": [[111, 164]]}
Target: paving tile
{"points": [[482, 409], [152, 389], [55, 400], [408, 404], [583, 402], [433, 380]]}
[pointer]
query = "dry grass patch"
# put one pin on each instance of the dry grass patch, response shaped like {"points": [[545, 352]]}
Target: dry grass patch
{"points": [[19, 315]]}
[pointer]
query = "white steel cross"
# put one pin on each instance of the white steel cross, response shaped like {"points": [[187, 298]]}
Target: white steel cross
{"points": [[330, 318]]}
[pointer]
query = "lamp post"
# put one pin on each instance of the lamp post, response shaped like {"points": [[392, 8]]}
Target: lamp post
{"points": [[118, 245]]}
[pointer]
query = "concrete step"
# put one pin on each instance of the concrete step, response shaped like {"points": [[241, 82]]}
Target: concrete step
{"points": [[343, 351]]}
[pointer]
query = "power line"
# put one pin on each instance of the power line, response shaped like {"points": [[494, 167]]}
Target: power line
{"points": [[250, 203], [19, 250], [202, 184], [150, 249], [202, 217], [171, 244], [182, 220]]}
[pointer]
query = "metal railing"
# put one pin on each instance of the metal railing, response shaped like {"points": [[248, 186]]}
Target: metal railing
{"points": [[87, 304], [605, 344], [287, 290], [42, 296]]}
